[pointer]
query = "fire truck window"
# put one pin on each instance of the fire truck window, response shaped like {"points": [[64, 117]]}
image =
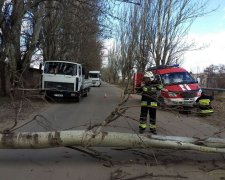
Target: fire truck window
{"points": [[187, 78], [166, 79], [176, 78]]}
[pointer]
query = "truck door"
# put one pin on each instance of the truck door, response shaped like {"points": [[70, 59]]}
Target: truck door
{"points": [[79, 76]]}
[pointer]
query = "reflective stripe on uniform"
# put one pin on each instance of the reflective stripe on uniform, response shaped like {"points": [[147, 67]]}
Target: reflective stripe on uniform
{"points": [[207, 111], [160, 86], [143, 126], [149, 89], [152, 104], [145, 89], [144, 103], [204, 102], [152, 126]]}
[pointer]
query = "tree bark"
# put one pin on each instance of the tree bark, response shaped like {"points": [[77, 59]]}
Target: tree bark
{"points": [[38, 140], [2, 79]]}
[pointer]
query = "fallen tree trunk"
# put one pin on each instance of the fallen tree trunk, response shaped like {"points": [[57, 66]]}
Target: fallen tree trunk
{"points": [[38, 140]]}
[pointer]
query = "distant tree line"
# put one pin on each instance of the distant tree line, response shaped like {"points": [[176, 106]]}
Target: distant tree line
{"points": [[215, 76]]}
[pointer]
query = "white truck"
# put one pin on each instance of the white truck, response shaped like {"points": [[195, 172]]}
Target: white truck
{"points": [[64, 79], [95, 77]]}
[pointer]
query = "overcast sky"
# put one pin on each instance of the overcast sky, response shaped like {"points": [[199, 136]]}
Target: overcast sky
{"points": [[209, 31]]}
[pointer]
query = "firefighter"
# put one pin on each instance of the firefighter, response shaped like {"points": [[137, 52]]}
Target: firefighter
{"points": [[149, 102], [204, 104]]}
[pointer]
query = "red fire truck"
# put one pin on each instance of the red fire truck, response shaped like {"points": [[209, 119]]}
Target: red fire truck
{"points": [[180, 88]]}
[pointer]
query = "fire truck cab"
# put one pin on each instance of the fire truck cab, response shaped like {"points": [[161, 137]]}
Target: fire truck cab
{"points": [[180, 88]]}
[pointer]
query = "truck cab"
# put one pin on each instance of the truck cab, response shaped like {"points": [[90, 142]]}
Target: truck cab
{"points": [[180, 88], [64, 79], [95, 77]]}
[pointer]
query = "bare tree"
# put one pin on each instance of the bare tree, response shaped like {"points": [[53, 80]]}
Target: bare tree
{"points": [[71, 28], [11, 20], [50, 32], [127, 42], [158, 28], [113, 64], [168, 24], [215, 76], [67, 30]]}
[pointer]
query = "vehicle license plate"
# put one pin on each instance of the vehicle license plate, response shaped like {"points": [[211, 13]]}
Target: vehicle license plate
{"points": [[58, 95], [188, 101]]}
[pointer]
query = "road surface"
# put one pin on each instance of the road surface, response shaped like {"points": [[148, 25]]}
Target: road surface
{"points": [[65, 163]]}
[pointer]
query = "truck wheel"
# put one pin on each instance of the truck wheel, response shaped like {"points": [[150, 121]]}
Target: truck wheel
{"points": [[85, 93], [185, 110], [77, 99]]}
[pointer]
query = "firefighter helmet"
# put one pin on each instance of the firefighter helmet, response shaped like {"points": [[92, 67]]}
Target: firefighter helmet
{"points": [[150, 75]]}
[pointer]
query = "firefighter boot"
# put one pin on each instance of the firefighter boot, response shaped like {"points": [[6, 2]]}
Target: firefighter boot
{"points": [[142, 127], [153, 131], [153, 128]]}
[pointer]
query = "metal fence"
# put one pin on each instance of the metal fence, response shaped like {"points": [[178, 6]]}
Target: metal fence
{"points": [[217, 93]]}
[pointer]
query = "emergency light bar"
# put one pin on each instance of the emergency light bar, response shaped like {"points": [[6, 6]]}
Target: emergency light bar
{"points": [[162, 67]]}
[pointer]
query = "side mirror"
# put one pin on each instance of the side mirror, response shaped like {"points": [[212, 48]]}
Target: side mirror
{"points": [[83, 71]]}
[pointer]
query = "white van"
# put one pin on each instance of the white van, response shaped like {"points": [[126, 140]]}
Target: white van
{"points": [[95, 76]]}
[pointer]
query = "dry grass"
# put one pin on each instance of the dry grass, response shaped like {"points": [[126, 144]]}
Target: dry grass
{"points": [[8, 110]]}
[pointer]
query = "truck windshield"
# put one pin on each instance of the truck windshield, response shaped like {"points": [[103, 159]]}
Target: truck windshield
{"points": [[60, 68], [177, 78], [94, 75]]}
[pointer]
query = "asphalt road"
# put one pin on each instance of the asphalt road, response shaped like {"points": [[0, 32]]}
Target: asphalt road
{"points": [[67, 114], [65, 163]]}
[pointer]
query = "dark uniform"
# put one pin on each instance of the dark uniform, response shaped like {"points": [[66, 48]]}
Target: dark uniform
{"points": [[204, 104], [149, 105]]}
